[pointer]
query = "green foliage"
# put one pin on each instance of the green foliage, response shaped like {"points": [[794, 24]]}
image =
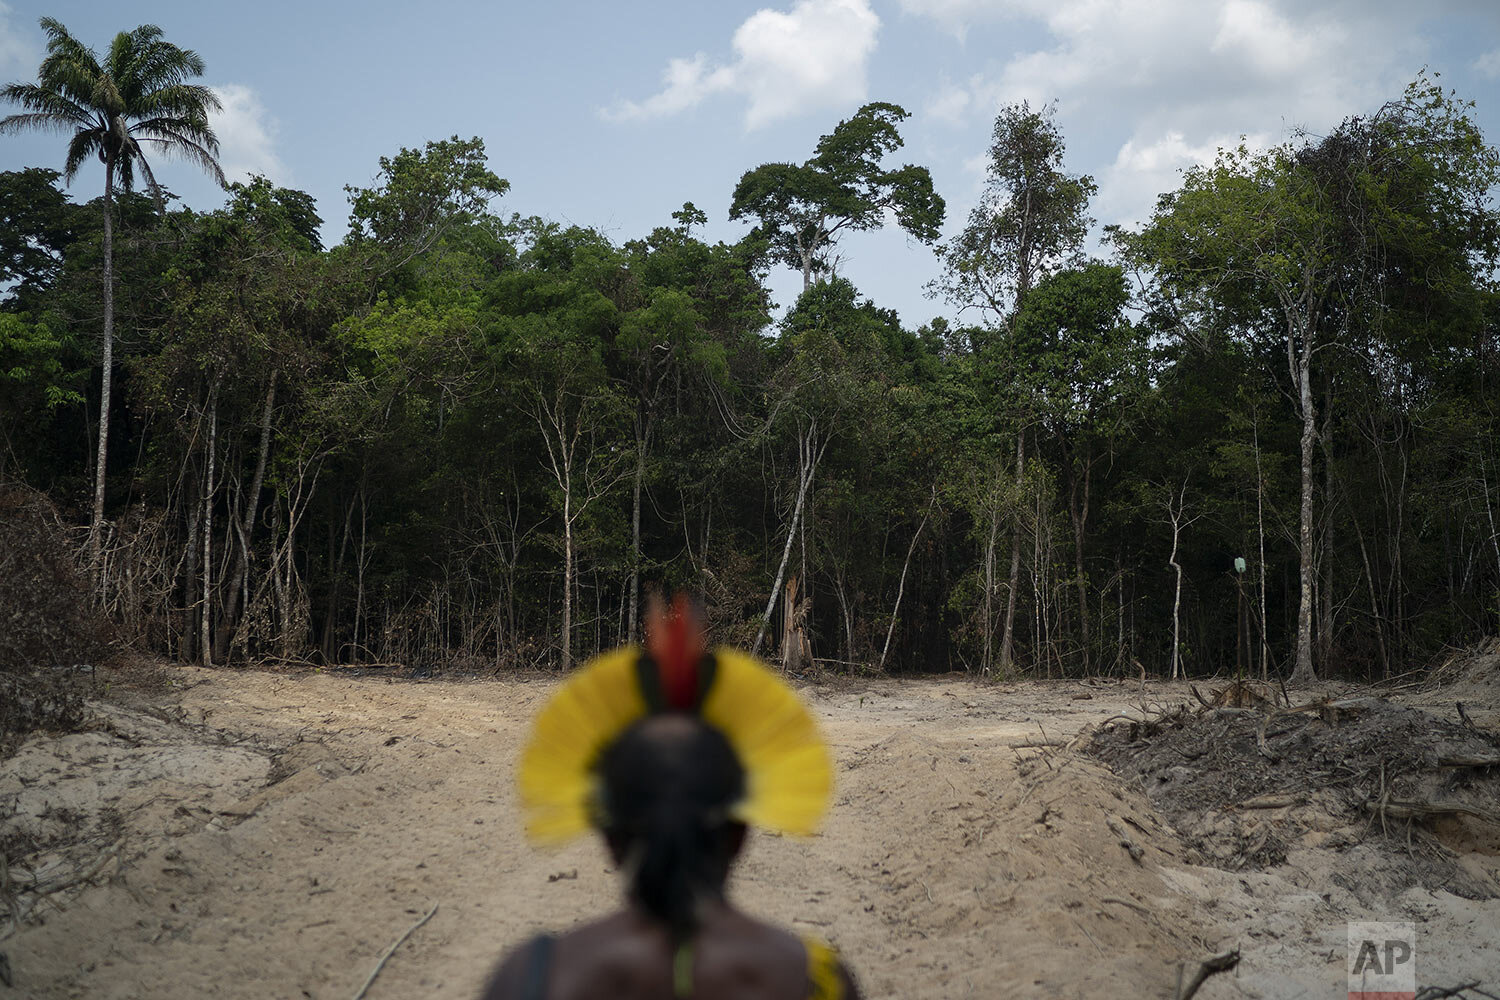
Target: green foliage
{"points": [[422, 193], [469, 439], [34, 366], [1032, 218], [37, 223], [800, 210]]}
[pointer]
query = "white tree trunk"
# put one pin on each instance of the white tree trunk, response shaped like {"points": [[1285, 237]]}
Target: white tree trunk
{"points": [[1302, 672], [567, 612], [96, 524], [1176, 506], [987, 660], [1007, 642], [1260, 528], [206, 635], [809, 452], [642, 437], [901, 588]]}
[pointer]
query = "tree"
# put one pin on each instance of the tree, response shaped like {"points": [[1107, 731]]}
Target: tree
{"points": [[36, 227], [1085, 369], [1318, 248], [138, 95], [239, 294], [802, 209], [832, 344], [1032, 218], [421, 197], [550, 326]]}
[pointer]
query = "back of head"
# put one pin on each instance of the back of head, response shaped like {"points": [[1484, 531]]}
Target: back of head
{"points": [[668, 785]]}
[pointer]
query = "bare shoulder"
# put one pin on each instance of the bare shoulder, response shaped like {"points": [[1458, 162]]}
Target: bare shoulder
{"points": [[851, 987], [767, 939], [783, 959], [529, 966], [509, 981]]}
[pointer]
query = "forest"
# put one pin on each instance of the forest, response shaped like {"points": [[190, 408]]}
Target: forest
{"points": [[1258, 433]]}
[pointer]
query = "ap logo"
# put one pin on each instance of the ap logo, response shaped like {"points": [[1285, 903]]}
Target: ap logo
{"points": [[1382, 961]]}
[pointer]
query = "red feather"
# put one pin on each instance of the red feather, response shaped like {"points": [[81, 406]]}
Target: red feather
{"points": [[675, 641]]}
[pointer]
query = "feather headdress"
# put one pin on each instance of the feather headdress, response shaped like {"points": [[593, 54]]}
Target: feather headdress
{"points": [[788, 772]]}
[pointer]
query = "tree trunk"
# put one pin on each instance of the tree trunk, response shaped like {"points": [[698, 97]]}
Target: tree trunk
{"points": [[1302, 672], [901, 588], [1174, 512], [1489, 513], [187, 643], [206, 636], [642, 437], [567, 608], [1325, 626], [1078, 509], [806, 466], [987, 660], [96, 525], [1007, 643], [245, 526], [1260, 528], [796, 652]]}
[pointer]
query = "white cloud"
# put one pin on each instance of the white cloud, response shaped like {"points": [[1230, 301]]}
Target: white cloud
{"points": [[785, 63], [1152, 86], [1266, 40], [19, 58], [247, 134], [1488, 65], [1143, 169], [957, 15], [951, 103]]}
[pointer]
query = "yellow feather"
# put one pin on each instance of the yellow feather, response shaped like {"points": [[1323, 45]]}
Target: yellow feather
{"points": [[557, 767], [788, 772]]}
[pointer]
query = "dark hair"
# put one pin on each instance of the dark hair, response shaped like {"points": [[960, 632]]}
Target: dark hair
{"points": [[668, 784]]}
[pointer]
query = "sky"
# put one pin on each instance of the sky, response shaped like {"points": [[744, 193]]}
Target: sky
{"points": [[612, 115]]}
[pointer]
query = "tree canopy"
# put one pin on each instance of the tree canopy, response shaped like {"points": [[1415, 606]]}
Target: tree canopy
{"points": [[469, 439]]}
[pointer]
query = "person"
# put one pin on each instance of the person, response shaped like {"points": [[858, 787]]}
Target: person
{"points": [[672, 753]]}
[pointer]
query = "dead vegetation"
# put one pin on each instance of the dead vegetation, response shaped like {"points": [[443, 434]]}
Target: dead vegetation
{"points": [[51, 636], [1246, 782]]}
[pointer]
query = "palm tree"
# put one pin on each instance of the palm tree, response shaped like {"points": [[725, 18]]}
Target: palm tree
{"points": [[137, 96]]}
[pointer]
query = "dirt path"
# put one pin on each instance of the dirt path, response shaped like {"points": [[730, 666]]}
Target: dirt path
{"points": [[277, 832]]}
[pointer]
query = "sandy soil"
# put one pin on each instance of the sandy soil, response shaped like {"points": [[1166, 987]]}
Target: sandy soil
{"points": [[270, 835]]}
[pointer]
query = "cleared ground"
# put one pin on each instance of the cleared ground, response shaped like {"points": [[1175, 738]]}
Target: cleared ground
{"points": [[270, 835]]}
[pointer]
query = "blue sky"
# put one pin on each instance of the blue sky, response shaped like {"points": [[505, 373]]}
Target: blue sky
{"points": [[612, 115]]}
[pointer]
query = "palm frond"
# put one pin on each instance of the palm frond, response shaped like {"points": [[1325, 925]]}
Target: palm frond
{"points": [[70, 68], [143, 80], [158, 65], [175, 143], [85, 143], [41, 122], [181, 100], [125, 167], [46, 102], [155, 188], [61, 43], [195, 129]]}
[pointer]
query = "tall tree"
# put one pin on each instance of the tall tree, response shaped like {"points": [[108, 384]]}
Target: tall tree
{"points": [[802, 209], [1085, 368], [1032, 219], [138, 97], [1315, 246]]}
